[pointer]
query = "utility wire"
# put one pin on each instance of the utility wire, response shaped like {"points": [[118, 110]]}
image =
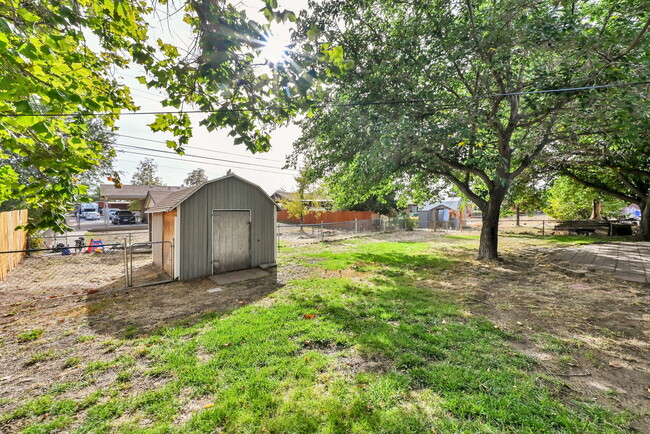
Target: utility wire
{"points": [[352, 104], [200, 149], [245, 163], [203, 162]]}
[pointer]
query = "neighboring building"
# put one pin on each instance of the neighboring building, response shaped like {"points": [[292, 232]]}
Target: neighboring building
{"points": [[156, 196], [444, 215], [132, 193], [220, 225], [412, 209]]}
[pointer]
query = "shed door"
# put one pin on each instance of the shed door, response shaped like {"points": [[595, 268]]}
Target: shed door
{"points": [[231, 245]]}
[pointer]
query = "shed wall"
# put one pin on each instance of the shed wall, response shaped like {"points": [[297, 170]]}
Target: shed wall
{"points": [[157, 235], [169, 234], [195, 240]]}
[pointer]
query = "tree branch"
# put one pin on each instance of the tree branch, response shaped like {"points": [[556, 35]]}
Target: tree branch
{"points": [[634, 42], [474, 171], [528, 160], [629, 184], [463, 187], [603, 188]]}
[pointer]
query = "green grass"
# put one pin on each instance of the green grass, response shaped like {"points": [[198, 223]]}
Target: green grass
{"points": [[370, 256], [30, 335], [41, 357], [329, 355], [71, 362]]}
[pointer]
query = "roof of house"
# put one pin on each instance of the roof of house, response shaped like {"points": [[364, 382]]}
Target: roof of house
{"points": [[133, 192], [451, 203], [173, 200], [153, 197]]}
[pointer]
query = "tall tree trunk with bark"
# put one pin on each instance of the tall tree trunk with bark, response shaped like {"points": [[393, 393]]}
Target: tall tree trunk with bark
{"points": [[489, 242], [645, 219], [517, 213], [596, 211]]}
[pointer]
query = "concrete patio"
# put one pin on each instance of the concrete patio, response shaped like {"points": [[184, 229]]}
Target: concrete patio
{"points": [[628, 261]]}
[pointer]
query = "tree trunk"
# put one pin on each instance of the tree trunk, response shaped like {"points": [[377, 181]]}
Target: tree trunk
{"points": [[645, 219], [489, 242], [596, 210], [517, 213]]}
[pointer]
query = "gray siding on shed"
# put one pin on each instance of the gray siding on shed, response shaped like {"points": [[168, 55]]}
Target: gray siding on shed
{"points": [[196, 220]]}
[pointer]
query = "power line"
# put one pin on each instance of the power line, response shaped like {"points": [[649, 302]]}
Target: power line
{"points": [[245, 163], [200, 149], [203, 162], [352, 104], [571, 89]]}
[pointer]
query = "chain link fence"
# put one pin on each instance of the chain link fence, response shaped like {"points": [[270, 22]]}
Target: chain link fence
{"points": [[525, 225], [72, 238], [85, 266], [297, 233]]}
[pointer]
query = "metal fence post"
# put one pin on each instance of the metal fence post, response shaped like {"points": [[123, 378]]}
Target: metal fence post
{"points": [[543, 221], [322, 234], [356, 226], [126, 266]]}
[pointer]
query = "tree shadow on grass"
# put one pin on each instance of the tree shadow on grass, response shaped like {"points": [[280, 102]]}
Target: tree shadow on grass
{"points": [[429, 345], [132, 312]]}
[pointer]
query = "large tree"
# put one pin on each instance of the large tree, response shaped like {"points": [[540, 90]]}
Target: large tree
{"points": [[608, 148], [26, 171], [49, 76], [146, 173], [195, 177], [53, 80], [440, 89]]}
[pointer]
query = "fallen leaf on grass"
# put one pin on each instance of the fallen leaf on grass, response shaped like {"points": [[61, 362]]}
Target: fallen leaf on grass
{"points": [[208, 405], [227, 344], [309, 316], [614, 364]]}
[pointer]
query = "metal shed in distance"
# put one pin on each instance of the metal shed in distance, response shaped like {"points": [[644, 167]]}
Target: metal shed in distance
{"points": [[439, 214], [221, 225]]}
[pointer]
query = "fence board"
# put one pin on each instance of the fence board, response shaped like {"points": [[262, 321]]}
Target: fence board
{"points": [[327, 217], [11, 239]]}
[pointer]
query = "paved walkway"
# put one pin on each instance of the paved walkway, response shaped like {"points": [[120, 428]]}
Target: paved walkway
{"points": [[628, 261]]}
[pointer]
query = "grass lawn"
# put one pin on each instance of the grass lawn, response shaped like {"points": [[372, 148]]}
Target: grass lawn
{"points": [[352, 343]]}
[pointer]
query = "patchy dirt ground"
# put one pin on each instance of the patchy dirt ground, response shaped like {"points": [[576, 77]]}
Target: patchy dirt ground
{"points": [[592, 333]]}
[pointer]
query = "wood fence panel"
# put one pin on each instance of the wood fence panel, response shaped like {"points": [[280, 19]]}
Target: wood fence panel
{"points": [[327, 217], [11, 239]]}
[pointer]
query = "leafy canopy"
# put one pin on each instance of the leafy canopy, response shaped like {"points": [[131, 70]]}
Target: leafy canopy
{"points": [[54, 80], [450, 76], [146, 173], [195, 177]]}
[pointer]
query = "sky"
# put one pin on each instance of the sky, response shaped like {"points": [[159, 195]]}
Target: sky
{"points": [[206, 150]]}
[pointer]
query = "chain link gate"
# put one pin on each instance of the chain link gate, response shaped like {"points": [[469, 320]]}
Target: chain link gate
{"points": [[149, 262]]}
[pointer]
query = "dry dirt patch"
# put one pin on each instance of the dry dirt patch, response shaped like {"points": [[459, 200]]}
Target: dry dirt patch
{"points": [[592, 333]]}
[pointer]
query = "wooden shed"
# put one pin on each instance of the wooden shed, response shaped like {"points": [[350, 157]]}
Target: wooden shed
{"points": [[221, 225]]}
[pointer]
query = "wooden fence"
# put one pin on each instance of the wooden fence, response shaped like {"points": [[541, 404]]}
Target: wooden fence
{"points": [[327, 217], [11, 239]]}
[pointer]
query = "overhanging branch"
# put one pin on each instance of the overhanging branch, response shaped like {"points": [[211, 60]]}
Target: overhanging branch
{"points": [[603, 188], [462, 186]]}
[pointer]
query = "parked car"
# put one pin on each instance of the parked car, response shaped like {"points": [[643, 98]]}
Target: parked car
{"points": [[123, 218], [112, 211], [92, 215], [83, 212]]}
